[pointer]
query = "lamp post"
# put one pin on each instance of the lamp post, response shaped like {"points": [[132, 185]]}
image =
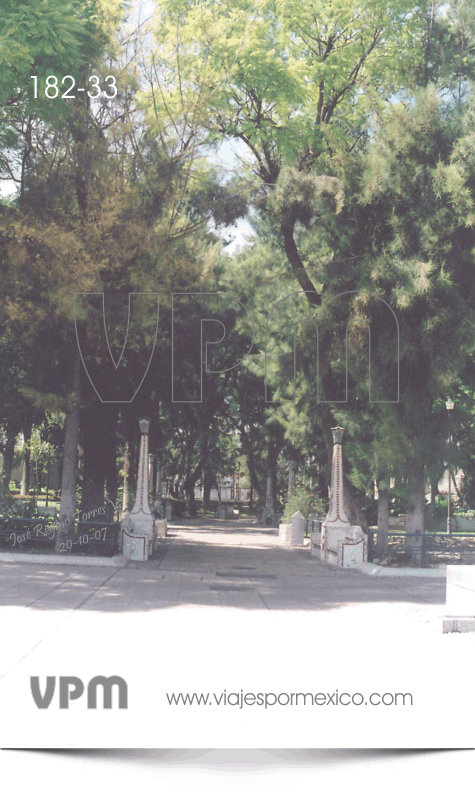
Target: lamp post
{"points": [[449, 405]]}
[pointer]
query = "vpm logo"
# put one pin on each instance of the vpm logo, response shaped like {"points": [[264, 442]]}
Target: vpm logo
{"points": [[73, 688]]}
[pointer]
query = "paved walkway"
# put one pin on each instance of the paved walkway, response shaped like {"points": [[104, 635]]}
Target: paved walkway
{"points": [[216, 563]]}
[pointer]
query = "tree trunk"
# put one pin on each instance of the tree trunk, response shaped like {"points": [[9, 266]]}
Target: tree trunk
{"points": [[434, 491], [207, 485], [126, 490], [415, 510], [189, 488], [247, 445], [383, 522], [25, 476], [130, 459], [48, 469], [93, 480], [272, 471], [416, 500], [67, 506], [8, 454], [153, 479], [287, 227], [111, 481], [352, 506], [190, 501]]}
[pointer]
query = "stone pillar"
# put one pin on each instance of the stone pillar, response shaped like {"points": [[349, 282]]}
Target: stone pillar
{"points": [[336, 512], [137, 527], [297, 534], [292, 469], [342, 544], [268, 515]]}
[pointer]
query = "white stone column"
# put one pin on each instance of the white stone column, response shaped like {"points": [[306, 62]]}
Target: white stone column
{"points": [[342, 544], [137, 527], [141, 506], [336, 512]]}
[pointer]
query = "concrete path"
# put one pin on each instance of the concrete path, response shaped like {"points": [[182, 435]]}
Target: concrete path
{"points": [[217, 564]]}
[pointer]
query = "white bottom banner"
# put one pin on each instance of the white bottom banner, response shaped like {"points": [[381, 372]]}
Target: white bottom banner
{"points": [[197, 676]]}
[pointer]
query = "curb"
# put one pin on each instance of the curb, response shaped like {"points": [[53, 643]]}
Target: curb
{"points": [[415, 572], [458, 624], [81, 561]]}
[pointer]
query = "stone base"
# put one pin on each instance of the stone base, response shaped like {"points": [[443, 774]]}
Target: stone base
{"points": [[343, 546], [285, 532], [316, 545], [297, 534], [160, 528], [292, 534], [460, 600], [268, 516], [227, 513], [137, 548], [460, 624], [137, 536]]}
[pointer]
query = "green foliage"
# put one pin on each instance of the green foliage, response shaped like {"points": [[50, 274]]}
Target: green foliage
{"points": [[12, 507], [357, 120], [303, 500], [42, 37]]}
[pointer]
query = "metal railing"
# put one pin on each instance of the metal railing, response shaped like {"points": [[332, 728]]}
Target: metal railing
{"points": [[416, 545], [313, 525]]}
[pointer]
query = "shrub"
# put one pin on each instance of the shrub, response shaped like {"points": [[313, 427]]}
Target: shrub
{"points": [[302, 500], [13, 507]]}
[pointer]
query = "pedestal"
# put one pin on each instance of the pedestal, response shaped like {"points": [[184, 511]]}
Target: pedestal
{"points": [[268, 516], [137, 528], [161, 528], [297, 533], [134, 546], [342, 544], [460, 600], [285, 532]]}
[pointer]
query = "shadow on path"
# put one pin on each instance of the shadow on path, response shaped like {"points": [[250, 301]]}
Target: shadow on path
{"points": [[214, 563]]}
